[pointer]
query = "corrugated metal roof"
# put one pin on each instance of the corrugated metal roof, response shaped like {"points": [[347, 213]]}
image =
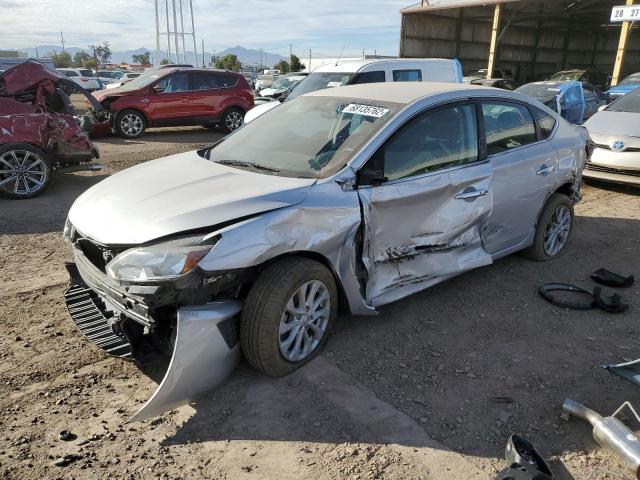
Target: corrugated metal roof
{"points": [[431, 5]]}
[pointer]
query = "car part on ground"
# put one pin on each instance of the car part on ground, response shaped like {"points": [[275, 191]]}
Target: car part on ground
{"points": [[616, 134], [316, 208], [611, 279], [177, 96], [594, 299], [39, 131], [629, 370], [524, 462], [610, 432]]}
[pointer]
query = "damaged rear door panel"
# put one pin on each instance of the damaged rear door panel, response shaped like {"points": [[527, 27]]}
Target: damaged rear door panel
{"points": [[423, 227]]}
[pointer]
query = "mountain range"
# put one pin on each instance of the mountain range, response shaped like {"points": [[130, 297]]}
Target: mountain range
{"points": [[246, 56]]}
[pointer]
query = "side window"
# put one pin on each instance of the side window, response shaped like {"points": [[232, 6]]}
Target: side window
{"points": [[368, 77], [225, 80], [203, 81], [178, 82], [546, 122], [70, 73], [589, 94], [507, 126], [438, 139], [407, 75]]}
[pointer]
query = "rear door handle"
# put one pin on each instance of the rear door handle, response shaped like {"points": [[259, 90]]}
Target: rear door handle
{"points": [[470, 194], [544, 170]]}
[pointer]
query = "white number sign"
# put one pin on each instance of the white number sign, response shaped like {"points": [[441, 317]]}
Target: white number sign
{"points": [[625, 14]]}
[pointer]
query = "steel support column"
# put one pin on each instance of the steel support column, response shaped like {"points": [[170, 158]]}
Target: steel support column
{"points": [[622, 46], [493, 46]]}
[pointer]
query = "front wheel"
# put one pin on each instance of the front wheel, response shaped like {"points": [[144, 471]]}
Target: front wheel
{"points": [[25, 171], [287, 316], [130, 124], [553, 230], [232, 119]]}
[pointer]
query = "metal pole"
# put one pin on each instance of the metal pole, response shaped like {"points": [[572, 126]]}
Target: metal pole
{"points": [[166, 8], [62, 38], [157, 27], [290, 57], [175, 31], [309, 66], [184, 49], [494, 42], [193, 33], [203, 65], [622, 47]]}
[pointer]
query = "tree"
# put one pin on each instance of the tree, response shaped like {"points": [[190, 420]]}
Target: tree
{"points": [[91, 63], [102, 52], [142, 59], [296, 66], [81, 58], [229, 62], [283, 66], [61, 60], [164, 61]]}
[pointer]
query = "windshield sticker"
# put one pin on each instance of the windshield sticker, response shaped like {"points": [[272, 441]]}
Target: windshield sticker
{"points": [[366, 110]]}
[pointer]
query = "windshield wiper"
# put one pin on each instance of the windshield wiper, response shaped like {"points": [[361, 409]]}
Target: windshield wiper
{"points": [[241, 163]]}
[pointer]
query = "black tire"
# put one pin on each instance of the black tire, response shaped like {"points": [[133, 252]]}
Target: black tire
{"points": [[229, 120], [537, 250], [264, 309], [14, 159], [130, 123]]}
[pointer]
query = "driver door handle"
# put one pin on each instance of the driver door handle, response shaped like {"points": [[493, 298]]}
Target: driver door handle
{"points": [[471, 194], [544, 170]]}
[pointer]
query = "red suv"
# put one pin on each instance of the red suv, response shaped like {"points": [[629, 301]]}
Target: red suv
{"points": [[178, 96]]}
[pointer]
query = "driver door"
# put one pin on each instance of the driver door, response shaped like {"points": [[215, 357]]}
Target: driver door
{"points": [[429, 194]]}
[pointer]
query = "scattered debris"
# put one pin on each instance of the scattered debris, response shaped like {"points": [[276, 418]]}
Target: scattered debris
{"points": [[68, 459], [524, 462], [611, 279], [67, 436], [629, 371], [595, 298]]}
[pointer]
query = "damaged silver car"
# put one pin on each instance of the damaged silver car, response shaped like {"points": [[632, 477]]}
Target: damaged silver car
{"points": [[342, 200]]}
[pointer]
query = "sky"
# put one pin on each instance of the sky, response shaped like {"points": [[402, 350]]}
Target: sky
{"points": [[325, 26]]}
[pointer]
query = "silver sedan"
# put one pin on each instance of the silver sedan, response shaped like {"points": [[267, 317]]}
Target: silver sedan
{"points": [[342, 200], [616, 133]]}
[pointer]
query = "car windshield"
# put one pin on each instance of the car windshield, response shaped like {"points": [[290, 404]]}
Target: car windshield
{"points": [[285, 83], [627, 103], [539, 90], [319, 81], [313, 137], [87, 73], [631, 80], [146, 79], [568, 75]]}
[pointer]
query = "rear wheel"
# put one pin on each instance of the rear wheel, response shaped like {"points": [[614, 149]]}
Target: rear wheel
{"points": [[130, 124], [25, 171], [232, 119], [553, 230], [288, 315]]}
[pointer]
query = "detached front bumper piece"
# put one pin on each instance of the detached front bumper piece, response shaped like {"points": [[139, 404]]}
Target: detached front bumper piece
{"points": [[205, 352]]}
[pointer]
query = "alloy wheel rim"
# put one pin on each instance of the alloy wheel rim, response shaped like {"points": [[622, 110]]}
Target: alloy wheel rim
{"points": [[233, 121], [304, 321], [131, 124], [22, 172], [557, 232]]}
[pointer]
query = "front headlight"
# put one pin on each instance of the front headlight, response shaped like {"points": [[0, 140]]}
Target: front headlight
{"points": [[161, 262]]}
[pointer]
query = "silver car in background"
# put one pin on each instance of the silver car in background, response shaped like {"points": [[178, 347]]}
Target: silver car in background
{"points": [[615, 130], [342, 200]]}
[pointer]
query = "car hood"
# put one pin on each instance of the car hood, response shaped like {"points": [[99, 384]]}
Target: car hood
{"points": [[258, 110], [113, 92], [176, 194], [625, 124], [271, 91]]}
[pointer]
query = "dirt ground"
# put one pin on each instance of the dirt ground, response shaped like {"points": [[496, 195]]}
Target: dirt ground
{"points": [[430, 388]]}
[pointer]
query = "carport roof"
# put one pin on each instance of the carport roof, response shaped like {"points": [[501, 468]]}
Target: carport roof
{"points": [[447, 4]]}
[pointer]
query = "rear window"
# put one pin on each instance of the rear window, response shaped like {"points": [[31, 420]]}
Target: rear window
{"points": [[206, 81], [69, 73], [545, 121], [507, 126], [369, 77], [87, 73]]}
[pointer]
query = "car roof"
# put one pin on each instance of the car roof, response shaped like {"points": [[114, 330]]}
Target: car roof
{"points": [[353, 66], [397, 92]]}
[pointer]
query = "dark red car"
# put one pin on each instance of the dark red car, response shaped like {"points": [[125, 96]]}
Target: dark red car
{"points": [[178, 96], [40, 132]]}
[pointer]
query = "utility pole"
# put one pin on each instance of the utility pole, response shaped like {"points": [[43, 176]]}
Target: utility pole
{"points": [[309, 66], [261, 65], [193, 33], [203, 65], [62, 38], [290, 55], [166, 9], [157, 27], [184, 49], [175, 31]]}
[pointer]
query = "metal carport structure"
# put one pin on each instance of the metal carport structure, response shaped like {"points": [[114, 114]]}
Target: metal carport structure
{"points": [[532, 38]]}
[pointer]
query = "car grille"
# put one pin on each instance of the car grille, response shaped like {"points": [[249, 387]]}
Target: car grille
{"points": [[97, 254], [608, 147], [601, 168]]}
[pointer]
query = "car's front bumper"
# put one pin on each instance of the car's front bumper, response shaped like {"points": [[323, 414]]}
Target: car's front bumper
{"points": [[612, 166]]}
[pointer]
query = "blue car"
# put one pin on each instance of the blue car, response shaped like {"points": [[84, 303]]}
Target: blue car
{"points": [[625, 86]]}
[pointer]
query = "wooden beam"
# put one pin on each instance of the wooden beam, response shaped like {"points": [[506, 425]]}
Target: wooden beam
{"points": [[622, 46], [493, 46]]}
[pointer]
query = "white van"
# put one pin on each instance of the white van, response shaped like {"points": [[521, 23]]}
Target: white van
{"points": [[370, 71]]}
